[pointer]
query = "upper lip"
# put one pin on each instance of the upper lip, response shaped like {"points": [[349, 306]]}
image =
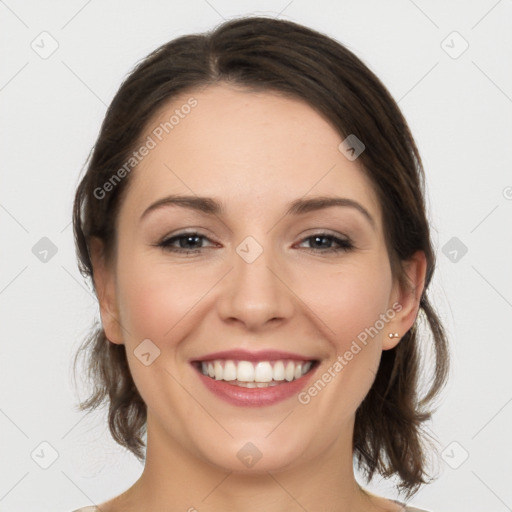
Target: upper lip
{"points": [[246, 355]]}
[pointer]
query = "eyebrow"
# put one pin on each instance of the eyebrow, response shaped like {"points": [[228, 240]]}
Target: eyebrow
{"points": [[300, 206]]}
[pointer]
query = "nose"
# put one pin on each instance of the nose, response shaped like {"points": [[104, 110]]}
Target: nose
{"points": [[254, 293]]}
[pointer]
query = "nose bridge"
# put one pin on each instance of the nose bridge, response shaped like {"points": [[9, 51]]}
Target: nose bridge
{"points": [[255, 294]]}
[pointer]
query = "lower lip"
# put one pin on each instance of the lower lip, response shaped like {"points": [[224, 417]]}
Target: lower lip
{"points": [[255, 397]]}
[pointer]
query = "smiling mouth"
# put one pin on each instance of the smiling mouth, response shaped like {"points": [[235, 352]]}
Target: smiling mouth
{"points": [[257, 374]]}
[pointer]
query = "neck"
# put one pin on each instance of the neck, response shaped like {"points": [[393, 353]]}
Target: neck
{"points": [[173, 477]]}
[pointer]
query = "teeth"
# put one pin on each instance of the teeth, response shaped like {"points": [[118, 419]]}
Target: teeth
{"points": [[245, 372], [249, 385], [260, 374], [289, 372], [219, 370], [278, 373], [229, 371], [263, 372], [255, 384]]}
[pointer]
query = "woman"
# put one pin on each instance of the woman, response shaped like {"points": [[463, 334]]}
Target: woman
{"points": [[253, 220]]}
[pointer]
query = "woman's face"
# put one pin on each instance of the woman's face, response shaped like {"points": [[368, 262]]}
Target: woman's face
{"points": [[257, 282]]}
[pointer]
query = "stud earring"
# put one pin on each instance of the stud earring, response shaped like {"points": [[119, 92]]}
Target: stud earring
{"points": [[393, 335]]}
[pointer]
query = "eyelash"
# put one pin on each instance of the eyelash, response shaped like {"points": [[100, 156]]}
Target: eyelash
{"points": [[344, 245]]}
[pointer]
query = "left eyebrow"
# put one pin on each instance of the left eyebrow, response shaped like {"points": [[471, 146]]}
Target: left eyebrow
{"points": [[300, 206]]}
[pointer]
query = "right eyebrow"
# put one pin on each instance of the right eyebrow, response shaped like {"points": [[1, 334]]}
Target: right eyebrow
{"points": [[202, 204]]}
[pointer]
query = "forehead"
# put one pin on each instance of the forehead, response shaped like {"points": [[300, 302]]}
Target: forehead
{"points": [[253, 150]]}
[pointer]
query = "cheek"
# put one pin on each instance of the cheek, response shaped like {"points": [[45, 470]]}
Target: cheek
{"points": [[351, 301], [353, 305], [156, 300], [350, 304]]}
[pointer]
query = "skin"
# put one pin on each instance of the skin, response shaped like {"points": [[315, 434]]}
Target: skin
{"points": [[255, 153]]}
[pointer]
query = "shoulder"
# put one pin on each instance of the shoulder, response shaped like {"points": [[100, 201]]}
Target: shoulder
{"points": [[87, 509], [410, 509]]}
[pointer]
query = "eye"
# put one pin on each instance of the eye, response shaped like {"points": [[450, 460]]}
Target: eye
{"points": [[323, 242], [186, 243]]}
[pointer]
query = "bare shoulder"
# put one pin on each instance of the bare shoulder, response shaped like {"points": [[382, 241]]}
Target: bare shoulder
{"points": [[107, 506], [406, 508], [113, 505]]}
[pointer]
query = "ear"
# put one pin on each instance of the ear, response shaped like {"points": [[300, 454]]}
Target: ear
{"points": [[406, 299], [105, 285]]}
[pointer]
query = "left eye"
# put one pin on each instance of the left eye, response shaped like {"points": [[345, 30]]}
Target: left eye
{"points": [[324, 243]]}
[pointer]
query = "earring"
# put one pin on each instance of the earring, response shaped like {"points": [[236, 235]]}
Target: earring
{"points": [[393, 335]]}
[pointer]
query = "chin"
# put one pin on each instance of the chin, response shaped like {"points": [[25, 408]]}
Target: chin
{"points": [[257, 455]]}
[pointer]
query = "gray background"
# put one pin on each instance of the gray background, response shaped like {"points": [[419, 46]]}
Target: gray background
{"points": [[459, 105]]}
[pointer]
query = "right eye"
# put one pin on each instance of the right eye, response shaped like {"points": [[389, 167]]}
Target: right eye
{"points": [[185, 243]]}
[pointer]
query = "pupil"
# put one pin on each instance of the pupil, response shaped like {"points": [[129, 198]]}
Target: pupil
{"points": [[318, 238], [189, 239]]}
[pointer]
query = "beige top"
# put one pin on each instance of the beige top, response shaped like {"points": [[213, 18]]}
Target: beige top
{"points": [[406, 509]]}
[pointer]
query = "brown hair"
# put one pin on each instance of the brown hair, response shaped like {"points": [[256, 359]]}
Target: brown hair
{"points": [[275, 55]]}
